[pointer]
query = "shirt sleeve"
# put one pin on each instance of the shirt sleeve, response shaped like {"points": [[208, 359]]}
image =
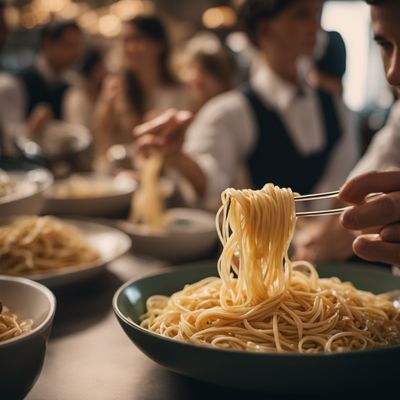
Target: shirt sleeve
{"points": [[219, 139], [384, 151], [344, 155], [12, 108]]}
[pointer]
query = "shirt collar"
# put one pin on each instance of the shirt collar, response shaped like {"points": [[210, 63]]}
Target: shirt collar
{"points": [[48, 73], [274, 90]]}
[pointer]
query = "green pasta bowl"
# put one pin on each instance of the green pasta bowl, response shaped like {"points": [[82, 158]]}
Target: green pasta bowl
{"points": [[281, 373]]}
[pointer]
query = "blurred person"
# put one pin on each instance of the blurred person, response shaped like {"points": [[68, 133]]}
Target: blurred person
{"points": [[80, 100], [9, 114], [209, 68], [145, 85], [373, 223], [284, 130], [329, 66], [45, 83]]}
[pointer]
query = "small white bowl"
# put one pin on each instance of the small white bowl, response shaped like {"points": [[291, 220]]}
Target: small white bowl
{"points": [[21, 358], [109, 204], [28, 197], [190, 234]]}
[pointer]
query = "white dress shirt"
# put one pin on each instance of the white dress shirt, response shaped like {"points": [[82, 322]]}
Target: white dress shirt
{"points": [[224, 132], [384, 151], [11, 111]]}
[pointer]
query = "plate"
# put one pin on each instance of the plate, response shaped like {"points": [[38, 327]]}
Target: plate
{"points": [[190, 234], [28, 195], [115, 202], [111, 243], [266, 372]]}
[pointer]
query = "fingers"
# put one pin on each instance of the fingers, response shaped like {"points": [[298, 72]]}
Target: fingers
{"points": [[373, 248], [358, 188], [379, 211], [166, 123], [391, 233]]}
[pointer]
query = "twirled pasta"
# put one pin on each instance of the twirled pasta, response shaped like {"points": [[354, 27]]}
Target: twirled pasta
{"points": [[264, 302]]}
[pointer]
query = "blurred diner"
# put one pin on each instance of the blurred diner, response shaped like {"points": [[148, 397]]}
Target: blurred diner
{"points": [[144, 85], [280, 128]]}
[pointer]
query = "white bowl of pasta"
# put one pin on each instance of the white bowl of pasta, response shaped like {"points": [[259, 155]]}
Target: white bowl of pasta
{"points": [[26, 318], [187, 234], [90, 195], [21, 192], [57, 251]]}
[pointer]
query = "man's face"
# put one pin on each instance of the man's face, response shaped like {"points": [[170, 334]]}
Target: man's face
{"points": [[294, 30], [386, 27], [65, 51]]}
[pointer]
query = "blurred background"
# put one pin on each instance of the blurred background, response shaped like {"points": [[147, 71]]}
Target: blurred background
{"points": [[365, 90]]}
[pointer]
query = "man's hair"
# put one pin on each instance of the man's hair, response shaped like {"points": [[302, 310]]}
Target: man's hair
{"points": [[254, 11], [55, 30], [375, 2]]}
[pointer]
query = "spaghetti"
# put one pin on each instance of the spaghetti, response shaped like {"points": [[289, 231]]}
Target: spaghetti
{"points": [[262, 301], [11, 326], [39, 244], [147, 204]]}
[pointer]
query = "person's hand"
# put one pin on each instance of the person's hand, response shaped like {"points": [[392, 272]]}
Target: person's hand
{"points": [[39, 118], [164, 134], [379, 213], [111, 89], [324, 239]]}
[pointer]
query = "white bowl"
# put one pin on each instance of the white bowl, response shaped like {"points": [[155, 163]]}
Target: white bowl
{"points": [[109, 204], [28, 197], [190, 234], [21, 358]]}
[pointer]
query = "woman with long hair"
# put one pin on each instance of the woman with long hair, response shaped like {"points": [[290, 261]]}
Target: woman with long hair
{"points": [[145, 85]]}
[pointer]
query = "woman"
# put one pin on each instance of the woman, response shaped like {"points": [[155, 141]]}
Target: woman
{"points": [[145, 84], [209, 68]]}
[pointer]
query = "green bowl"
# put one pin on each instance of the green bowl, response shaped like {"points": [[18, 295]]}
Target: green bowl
{"points": [[267, 372]]}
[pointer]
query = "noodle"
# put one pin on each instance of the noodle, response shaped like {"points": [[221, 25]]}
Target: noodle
{"points": [[262, 301], [7, 187], [39, 244], [11, 326], [147, 204]]}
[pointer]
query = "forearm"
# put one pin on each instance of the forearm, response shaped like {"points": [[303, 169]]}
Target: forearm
{"points": [[191, 170]]}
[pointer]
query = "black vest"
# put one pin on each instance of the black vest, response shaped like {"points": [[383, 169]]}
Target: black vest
{"points": [[276, 158], [38, 91]]}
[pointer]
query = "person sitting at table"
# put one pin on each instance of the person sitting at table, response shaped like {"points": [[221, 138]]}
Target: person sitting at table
{"points": [[282, 129], [146, 83], [209, 68], [81, 99]]}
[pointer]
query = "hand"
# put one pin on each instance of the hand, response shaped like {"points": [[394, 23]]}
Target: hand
{"points": [[380, 213], [322, 240], [164, 134], [37, 121], [112, 89]]}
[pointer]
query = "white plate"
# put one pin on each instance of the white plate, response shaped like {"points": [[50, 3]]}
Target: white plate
{"points": [[106, 205], [109, 242], [191, 234], [28, 196]]}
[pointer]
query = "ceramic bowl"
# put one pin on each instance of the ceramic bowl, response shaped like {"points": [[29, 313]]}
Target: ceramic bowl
{"points": [[21, 358], [281, 373]]}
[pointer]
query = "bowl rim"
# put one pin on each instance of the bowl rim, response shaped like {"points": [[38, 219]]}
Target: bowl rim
{"points": [[322, 355], [50, 314], [138, 231], [93, 177]]}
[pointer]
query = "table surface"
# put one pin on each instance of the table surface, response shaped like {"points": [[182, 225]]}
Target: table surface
{"points": [[90, 357]]}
